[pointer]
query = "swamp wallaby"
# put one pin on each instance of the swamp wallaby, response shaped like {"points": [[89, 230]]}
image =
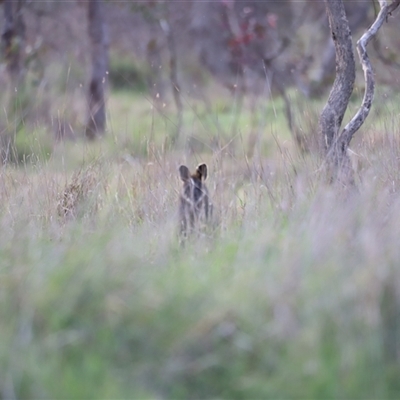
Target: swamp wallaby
{"points": [[194, 203]]}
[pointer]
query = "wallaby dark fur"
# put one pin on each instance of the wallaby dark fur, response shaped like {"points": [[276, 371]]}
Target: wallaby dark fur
{"points": [[194, 202]]}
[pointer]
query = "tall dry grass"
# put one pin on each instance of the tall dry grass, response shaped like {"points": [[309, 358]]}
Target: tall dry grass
{"points": [[293, 293]]}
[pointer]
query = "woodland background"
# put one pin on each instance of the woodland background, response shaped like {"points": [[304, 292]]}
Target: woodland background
{"points": [[293, 292]]}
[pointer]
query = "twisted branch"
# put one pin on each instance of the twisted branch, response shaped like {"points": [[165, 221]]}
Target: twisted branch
{"points": [[355, 123]]}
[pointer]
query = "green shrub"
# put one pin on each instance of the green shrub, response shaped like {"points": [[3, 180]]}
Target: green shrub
{"points": [[125, 74]]}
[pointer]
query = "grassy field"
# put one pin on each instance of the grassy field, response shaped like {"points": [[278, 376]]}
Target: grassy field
{"points": [[293, 293]]}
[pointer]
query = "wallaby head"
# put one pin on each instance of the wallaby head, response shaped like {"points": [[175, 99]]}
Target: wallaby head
{"points": [[194, 200]]}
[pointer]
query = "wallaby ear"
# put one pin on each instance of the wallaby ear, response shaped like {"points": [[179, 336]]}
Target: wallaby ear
{"points": [[201, 171], [184, 173]]}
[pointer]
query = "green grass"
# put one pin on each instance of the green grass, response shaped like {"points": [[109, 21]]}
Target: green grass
{"points": [[294, 294]]}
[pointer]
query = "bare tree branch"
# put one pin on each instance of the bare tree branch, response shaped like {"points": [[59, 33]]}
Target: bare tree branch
{"points": [[392, 7], [352, 127]]}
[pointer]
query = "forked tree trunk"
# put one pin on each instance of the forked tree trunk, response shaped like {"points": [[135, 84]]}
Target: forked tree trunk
{"points": [[336, 142], [97, 32]]}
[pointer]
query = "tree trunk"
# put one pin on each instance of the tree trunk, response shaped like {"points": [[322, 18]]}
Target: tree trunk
{"points": [[99, 47], [173, 73], [12, 43], [13, 39]]}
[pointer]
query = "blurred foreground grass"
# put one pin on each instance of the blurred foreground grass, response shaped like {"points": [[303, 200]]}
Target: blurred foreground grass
{"points": [[296, 294]]}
